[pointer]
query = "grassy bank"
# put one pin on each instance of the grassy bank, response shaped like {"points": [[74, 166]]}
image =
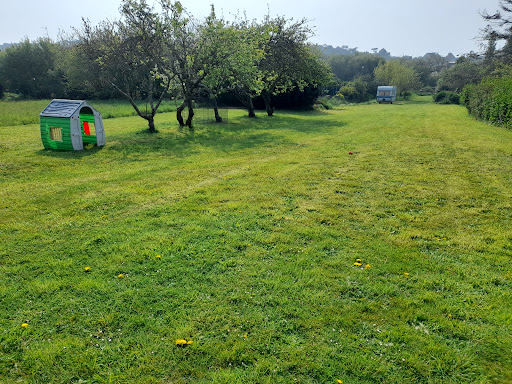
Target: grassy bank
{"points": [[370, 244]]}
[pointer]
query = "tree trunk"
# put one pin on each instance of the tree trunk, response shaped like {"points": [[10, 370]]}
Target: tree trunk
{"points": [[218, 119], [268, 107], [151, 124], [190, 117], [250, 106], [179, 117], [190, 106]]}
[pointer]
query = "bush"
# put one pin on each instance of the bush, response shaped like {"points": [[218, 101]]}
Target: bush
{"points": [[446, 97], [490, 100]]}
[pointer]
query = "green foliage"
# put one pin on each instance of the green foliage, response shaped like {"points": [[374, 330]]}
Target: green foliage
{"points": [[402, 76], [30, 69], [498, 30], [429, 68], [464, 72], [130, 55], [446, 97], [354, 75], [349, 67], [258, 224], [490, 100], [288, 61], [356, 90]]}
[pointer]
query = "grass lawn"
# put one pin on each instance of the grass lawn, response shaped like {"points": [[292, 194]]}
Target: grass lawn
{"points": [[368, 244]]}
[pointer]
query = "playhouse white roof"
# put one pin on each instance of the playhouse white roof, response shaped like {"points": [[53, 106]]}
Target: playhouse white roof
{"points": [[63, 108]]}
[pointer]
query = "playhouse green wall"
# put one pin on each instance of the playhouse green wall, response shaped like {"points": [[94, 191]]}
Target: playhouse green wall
{"points": [[65, 144]]}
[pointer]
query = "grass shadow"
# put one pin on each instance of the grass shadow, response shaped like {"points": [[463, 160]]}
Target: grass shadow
{"points": [[87, 151], [184, 143]]}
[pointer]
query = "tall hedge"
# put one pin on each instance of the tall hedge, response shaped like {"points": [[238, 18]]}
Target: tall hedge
{"points": [[490, 100]]}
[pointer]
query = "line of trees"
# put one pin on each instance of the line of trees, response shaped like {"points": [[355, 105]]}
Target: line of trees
{"points": [[358, 74], [155, 53], [149, 54]]}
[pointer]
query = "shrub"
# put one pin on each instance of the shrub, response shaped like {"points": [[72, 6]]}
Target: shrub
{"points": [[446, 97]]}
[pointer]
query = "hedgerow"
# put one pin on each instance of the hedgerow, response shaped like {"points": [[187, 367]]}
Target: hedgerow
{"points": [[490, 100]]}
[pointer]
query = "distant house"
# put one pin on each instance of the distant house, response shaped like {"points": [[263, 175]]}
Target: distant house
{"points": [[69, 124]]}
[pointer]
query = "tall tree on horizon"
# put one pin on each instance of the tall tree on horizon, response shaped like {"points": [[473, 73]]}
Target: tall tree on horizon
{"points": [[499, 29]]}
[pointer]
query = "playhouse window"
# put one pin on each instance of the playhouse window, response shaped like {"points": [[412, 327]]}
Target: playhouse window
{"points": [[56, 133]]}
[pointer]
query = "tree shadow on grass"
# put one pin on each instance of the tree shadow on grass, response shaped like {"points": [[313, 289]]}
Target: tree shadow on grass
{"points": [[173, 143]]}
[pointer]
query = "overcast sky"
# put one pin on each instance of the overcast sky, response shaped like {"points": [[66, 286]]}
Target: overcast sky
{"points": [[402, 27]]}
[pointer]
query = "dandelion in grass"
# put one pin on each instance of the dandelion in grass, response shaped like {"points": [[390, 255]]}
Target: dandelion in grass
{"points": [[120, 276], [182, 343], [406, 274], [158, 257], [24, 325], [367, 266], [87, 269], [339, 381]]}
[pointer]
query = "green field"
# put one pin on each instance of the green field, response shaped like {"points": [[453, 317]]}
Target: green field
{"points": [[367, 244], [27, 112]]}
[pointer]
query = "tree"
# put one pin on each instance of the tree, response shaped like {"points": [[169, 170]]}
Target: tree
{"points": [[429, 68], [202, 53], [500, 29], [247, 79], [348, 67], [393, 72], [29, 69], [464, 72], [355, 90], [130, 55], [80, 80], [288, 61], [239, 52]]}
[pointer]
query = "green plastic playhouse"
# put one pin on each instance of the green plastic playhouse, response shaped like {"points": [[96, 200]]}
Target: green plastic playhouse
{"points": [[69, 124]]}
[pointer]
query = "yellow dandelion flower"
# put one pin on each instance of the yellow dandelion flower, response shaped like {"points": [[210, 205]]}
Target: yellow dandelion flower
{"points": [[120, 276], [158, 256], [182, 343], [87, 269], [24, 325], [339, 381], [367, 266], [357, 264], [406, 274]]}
